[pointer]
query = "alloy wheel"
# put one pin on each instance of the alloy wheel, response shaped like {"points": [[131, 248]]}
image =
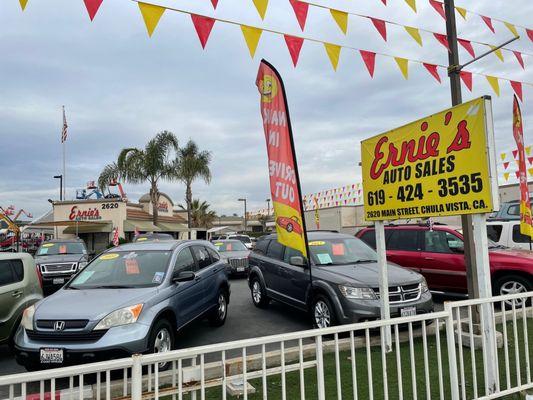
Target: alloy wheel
{"points": [[322, 314], [221, 306], [513, 287], [162, 344], [256, 292]]}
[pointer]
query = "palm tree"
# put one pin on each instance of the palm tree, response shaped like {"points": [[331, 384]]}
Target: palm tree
{"points": [[149, 164], [192, 164], [201, 215]]}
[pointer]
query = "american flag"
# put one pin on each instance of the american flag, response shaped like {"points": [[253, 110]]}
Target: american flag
{"points": [[65, 127]]}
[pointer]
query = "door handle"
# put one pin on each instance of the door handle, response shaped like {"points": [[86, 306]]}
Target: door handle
{"points": [[197, 278], [429, 258], [16, 294]]}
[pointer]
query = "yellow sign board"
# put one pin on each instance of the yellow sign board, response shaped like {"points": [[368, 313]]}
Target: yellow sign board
{"points": [[437, 166]]}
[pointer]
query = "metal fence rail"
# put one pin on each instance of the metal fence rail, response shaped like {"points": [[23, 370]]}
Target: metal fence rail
{"points": [[439, 355]]}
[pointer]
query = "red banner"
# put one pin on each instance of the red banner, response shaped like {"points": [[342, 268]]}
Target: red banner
{"points": [[284, 180]]}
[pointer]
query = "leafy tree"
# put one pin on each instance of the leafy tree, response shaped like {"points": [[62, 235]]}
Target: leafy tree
{"points": [[201, 215]]}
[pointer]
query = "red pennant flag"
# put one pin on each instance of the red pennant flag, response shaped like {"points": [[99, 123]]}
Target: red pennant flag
{"points": [[467, 45], [488, 21], [530, 160], [215, 3], [380, 26], [443, 39], [518, 56], [517, 173], [294, 44], [515, 152], [384, 2], [369, 59], [300, 9], [432, 69], [517, 87], [505, 165], [530, 34], [438, 6], [92, 7], [203, 26], [466, 77]]}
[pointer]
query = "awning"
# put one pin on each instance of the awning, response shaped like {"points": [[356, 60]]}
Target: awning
{"points": [[89, 228], [142, 226], [172, 227]]}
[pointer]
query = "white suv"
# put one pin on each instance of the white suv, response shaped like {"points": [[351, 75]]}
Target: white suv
{"points": [[507, 233]]}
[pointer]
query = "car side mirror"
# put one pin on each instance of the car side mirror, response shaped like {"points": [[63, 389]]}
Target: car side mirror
{"points": [[297, 261], [183, 276]]}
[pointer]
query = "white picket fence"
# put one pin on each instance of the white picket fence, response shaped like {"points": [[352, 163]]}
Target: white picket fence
{"points": [[438, 355]]}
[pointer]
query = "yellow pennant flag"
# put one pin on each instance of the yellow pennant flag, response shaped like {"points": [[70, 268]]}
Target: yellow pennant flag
{"points": [[462, 12], [506, 176], [341, 18], [512, 28], [528, 150], [412, 4], [415, 34], [151, 15], [494, 84], [261, 6], [403, 64], [23, 4], [497, 53], [334, 52], [251, 36], [530, 170], [503, 155]]}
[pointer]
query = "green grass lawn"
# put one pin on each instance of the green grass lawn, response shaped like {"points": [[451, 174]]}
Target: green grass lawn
{"points": [[363, 388]]}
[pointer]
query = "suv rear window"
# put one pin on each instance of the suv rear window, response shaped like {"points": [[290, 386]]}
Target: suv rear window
{"points": [[518, 237], [261, 246], [369, 237], [403, 239], [275, 250], [11, 271], [494, 232]]}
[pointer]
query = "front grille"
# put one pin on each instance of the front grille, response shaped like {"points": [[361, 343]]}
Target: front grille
{"points": [[238, 262], [63, 336], [58, 268], [69, 324], [402, 294]]}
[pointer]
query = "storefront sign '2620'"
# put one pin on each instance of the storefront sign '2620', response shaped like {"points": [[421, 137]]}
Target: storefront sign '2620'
{"points": [[436, 166]]}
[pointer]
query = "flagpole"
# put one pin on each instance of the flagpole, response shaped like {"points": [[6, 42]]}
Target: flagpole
{"points": [[63, 142]]}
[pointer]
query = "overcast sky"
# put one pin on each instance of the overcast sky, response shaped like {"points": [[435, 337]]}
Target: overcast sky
{"points": [[120, 88]]}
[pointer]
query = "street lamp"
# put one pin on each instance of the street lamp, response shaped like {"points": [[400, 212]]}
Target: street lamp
{"points": [[268, 207], [60, 177], [245, 216]]}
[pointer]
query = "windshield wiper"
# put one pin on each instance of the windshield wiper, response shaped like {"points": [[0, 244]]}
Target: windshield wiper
{"points": [[111, 287], [364, 261]]}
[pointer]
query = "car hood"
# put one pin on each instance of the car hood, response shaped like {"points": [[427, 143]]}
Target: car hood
{"points": [[60, 258], [500, 254], [91, 304], [368, 274], [235, 254]]}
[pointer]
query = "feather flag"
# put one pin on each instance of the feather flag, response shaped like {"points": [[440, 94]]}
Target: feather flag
{"points": [[412, 4], [467, 45], [438, 6], [415, 34], [517, 88], [151, 15], [381, 26], [488, 22], [341, 18], [493, 81], [333, 52], [92, 7], [432, 69], [369, 58], [294, 44], [466, 77], [403, 64], [519, 58], [203, 27], [300, 10], [251, 36], [261, 7]]}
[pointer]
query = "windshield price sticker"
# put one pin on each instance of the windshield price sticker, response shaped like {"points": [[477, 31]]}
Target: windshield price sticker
{"points": [[109, 256], [48, 245], [436, 166]]}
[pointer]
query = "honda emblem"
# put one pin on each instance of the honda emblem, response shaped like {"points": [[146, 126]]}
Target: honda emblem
{"points": [[59, 326]]}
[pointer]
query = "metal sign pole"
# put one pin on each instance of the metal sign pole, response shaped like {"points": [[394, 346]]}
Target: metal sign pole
{"points": [[383, 283]]}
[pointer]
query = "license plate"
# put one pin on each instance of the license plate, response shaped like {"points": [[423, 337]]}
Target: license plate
{"points": [[51, 356], [240, 269], [408, 311], [58, 281]]}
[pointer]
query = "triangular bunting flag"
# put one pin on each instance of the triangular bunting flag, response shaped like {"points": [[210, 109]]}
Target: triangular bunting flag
{"points": [[503, 156], [488, 22], [517, 173], [467, 45], [334, 52], [466, 77], [381, 26], [294, 44], [92, 7], [261, 6], [438, 6], [151, 15], [493, 81], [384, 2], [530, 171], [415, 34], [23, 4], [251, 36], [530, 160], [442, 39], [432, 69], [412, 4], [369, 59], [512, 28], [506, 165], [517, 88], [203, 26], [403, 64], [530, 34], [506, 176], [515, 153], [497, 53], [461, 11], [341, 18], [518, 56], [214, 3], [528, 150], [300, 9]]}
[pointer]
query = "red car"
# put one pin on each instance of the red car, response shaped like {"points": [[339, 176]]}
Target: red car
{"points": [[438, 254], [291, 224]]}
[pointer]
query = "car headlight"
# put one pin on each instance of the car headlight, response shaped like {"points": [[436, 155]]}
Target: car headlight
{"points": [[424, 286], [357, 293], [124, 316], [27, 318], [82, 264]]}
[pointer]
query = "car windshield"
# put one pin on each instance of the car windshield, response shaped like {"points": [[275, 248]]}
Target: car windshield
{"points": [[114, 270], [53, 249], [340, 251], [234, 245], [244, 239]]}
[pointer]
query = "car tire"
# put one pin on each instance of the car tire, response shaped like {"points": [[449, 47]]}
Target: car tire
{"points": [[258, 292], [219, 314], [162, 340], [323, 313], [510, 284]]}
